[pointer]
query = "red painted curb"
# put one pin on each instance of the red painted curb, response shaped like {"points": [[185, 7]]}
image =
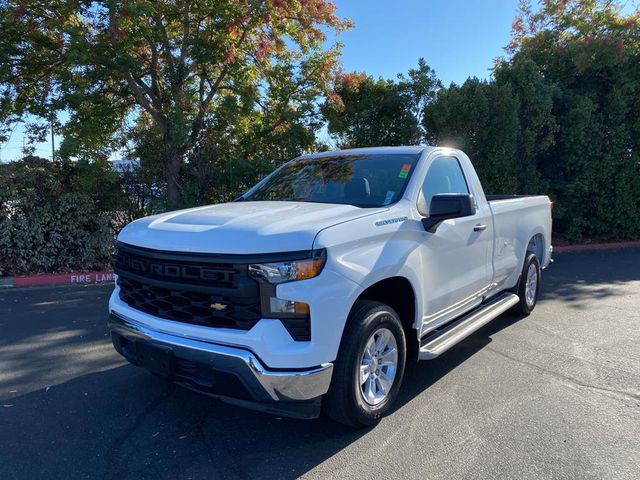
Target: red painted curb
{"points": [[81, 278], [595, 246]]}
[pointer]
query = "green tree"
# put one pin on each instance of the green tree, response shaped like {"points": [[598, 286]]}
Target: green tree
{"points": [[171, 63], [589, 52], [536, 127], [560, 116], [420, 85], [362, 111], [244, 137], [480, 118]]}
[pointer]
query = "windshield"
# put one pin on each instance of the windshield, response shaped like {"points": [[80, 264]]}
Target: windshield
{"points": [[361, 180]]}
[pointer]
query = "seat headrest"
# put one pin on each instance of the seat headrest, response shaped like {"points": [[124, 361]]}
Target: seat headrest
{"points": [[357, 187]]}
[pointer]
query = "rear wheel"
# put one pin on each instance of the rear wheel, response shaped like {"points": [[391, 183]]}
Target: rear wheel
{"points": [[529, 285], [369, 368]]}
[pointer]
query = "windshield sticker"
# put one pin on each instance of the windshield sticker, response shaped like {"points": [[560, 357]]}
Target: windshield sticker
{"points": [[389, 197], [404, 171], [388, 221]]}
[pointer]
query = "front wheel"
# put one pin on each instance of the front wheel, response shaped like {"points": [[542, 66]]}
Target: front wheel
{"points": [[369, 368]]}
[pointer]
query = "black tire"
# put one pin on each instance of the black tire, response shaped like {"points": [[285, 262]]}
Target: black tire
{"points": [[526, 307], [345, 401]]}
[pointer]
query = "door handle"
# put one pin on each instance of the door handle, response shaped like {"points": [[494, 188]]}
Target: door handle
{"points": [[479, 227]]}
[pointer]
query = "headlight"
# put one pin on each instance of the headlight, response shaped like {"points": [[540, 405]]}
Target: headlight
{"points": [[280, 272]]}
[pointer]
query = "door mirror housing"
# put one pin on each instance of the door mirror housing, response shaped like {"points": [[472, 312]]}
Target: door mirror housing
{"points": [[448, 205]]}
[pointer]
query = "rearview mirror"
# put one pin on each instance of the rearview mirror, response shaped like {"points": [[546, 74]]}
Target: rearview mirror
{"points": [[448, 205]]}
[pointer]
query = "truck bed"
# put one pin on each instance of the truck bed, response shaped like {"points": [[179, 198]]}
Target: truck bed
{"points": [[499, 197]]}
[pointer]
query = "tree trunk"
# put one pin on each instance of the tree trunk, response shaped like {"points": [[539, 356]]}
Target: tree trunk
{"points": [[172, 161]]}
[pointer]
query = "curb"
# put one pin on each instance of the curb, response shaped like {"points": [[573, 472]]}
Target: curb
{"points": [[588, 247], [74, 278]]}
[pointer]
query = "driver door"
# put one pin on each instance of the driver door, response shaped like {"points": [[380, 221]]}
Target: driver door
{"points": [[457, 255]]}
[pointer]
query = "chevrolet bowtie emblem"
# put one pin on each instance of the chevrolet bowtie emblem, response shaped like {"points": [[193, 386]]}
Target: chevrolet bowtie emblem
{"points": [[218, 306]]}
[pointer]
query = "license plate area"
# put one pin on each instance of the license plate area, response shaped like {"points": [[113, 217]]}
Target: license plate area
{"points": [[158, 360]]}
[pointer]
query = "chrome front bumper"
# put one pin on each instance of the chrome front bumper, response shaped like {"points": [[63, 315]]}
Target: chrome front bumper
{"points": [[262, 384]]}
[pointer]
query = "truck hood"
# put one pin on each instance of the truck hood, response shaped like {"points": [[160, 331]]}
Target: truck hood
{"points": [[240, 227]]}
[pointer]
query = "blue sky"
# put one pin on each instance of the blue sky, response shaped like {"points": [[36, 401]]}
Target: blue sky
{"points": [[458, 38]]}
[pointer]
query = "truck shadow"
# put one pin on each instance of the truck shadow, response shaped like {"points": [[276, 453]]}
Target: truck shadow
{"points": [[576, 277], [418, 378], [126, 423]]}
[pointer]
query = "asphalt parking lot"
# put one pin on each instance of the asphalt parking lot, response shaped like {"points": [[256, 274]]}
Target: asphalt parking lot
{"points": [[554, 395]]}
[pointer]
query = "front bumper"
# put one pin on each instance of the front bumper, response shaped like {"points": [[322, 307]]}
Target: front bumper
{"points": [[211, 368]]}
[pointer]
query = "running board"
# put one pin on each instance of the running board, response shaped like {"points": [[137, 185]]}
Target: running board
{"points": [[439, 341]]}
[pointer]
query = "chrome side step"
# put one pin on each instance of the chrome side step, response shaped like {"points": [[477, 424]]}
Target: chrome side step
{"points": [[439, 341]]}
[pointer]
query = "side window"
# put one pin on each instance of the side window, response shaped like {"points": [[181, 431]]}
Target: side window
{"points": [[444, 176]]}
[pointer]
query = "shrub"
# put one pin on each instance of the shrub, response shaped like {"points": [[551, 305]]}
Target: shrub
{"points": [[49, 225]]}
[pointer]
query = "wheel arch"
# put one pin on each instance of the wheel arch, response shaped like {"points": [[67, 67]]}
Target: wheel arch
{"points": [[536, 245], [398, 293]]}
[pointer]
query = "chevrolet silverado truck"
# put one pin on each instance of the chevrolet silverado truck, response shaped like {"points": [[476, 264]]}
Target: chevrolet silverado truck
{"points": [[312, 290]]}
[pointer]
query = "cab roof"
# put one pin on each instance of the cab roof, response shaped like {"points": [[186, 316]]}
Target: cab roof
{"points": [[412, 149]]}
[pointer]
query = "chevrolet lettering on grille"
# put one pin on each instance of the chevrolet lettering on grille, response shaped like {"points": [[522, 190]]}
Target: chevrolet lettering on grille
{"points": [[184, 272]]}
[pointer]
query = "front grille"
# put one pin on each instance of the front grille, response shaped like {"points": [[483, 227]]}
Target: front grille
{"points": [[200, 289], [190, 307], [188, 288]]}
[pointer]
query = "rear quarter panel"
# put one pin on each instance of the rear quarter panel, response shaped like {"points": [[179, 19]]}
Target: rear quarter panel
{"points": [[516, 222]]}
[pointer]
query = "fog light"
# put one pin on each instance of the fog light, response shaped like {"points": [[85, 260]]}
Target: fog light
{"points": [[278, 305]]}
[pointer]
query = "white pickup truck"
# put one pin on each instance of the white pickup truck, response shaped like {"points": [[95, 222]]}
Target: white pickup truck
{"points": [[314, 288]]}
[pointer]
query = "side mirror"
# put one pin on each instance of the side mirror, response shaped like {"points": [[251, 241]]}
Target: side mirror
{"points": [[448, 205]]}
